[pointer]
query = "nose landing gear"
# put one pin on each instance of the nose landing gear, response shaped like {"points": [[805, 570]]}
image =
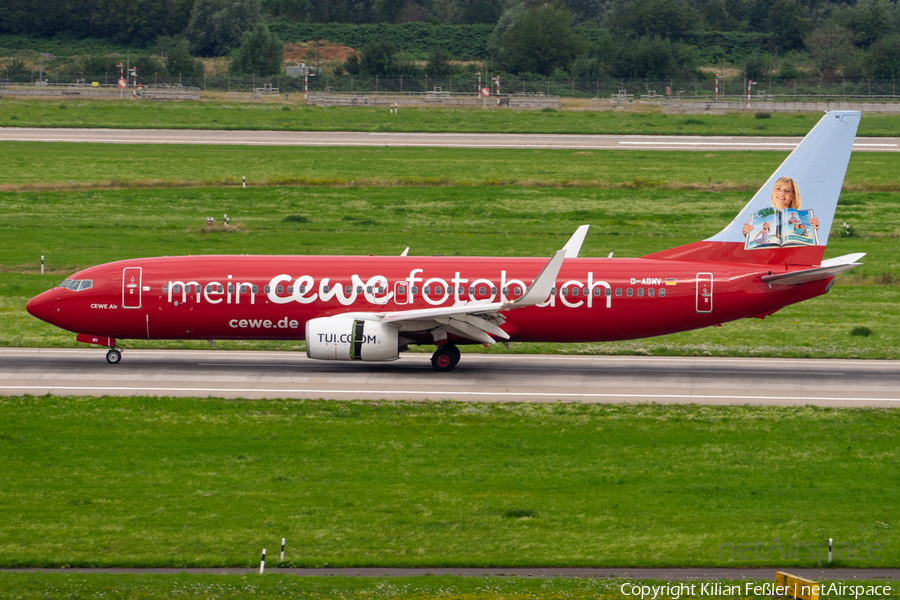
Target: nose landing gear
{"points": [[114, 356], [445, 358]]}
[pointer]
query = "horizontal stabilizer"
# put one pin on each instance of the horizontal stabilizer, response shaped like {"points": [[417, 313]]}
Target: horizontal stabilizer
{"points": [[829, 268]]}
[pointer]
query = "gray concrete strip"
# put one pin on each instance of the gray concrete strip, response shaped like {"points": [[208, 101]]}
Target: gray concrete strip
{"points": [[659, 574], [478, 378], [413, 140]]}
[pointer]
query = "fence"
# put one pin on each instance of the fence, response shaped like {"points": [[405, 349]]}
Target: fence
{"points": [[803, 90]]}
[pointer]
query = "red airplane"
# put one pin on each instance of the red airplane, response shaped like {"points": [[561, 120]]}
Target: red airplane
{"points": [[372, 308]]}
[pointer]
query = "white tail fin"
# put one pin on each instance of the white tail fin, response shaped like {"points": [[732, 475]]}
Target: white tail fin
{"points": [[788, 220]]}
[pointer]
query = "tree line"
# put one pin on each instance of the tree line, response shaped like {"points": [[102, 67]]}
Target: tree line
{"points": [[581, 38]]}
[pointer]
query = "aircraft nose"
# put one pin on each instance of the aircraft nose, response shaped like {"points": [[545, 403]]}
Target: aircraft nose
{"points": [[41, 306]]}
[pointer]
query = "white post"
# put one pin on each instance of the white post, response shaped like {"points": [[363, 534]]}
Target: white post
{"points": [[830, 548], [282, 549], [262, 562], [749, 83], [245, 181], [717, 88], [42, 264], [306, 85]]}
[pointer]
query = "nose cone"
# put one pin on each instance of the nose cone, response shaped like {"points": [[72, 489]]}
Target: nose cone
{"points": [[41, 306]]}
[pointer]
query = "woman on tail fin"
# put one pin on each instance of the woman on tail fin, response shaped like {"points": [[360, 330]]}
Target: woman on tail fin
{"points": [[785, 194]]}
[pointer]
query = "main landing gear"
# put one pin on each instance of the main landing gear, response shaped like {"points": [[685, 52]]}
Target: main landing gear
{"points": [[445, 358], [114, 356]]}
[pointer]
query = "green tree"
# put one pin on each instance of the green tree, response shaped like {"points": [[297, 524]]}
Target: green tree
{"points": [[261, 53], [178, 57], [787, 24], [217, 26], [868, 20], [129, 21], [540, 40], [829, 47], [663, 18], [884, 57], [438, 63], [379, 58], [293, 11], [389, 10], [653, 57]]}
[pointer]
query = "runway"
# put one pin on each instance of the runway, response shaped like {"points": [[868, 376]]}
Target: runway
{"points": [[477, 378], [431, 140]]}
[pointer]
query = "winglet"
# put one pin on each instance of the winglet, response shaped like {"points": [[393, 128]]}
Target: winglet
{"points": [[573, 246], [405, 252], [540, 288]]}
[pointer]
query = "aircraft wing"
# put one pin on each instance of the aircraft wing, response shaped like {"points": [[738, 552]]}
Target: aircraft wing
{"points": [[828, 268], [475, 320]]}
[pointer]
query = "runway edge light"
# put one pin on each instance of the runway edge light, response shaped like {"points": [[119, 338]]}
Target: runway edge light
{"points": [[798, 587]]}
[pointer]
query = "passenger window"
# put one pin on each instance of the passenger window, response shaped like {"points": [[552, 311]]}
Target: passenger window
{"points": [[230, 289], [609, 291], [280, 289], [290, 289], [165, 289], [565, 291], [640, 292], [256, 289], [267, 289], [401, 289], [325, 288], [662, 292], [493, 290], [348, 289], [439, 290], [302, 289], [518, 290], [618, 291], [629, 292], [650, 292], [553, 291], [415, 289], [426, 289]]}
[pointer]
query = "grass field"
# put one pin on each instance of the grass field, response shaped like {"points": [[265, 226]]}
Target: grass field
{"points": [[66, 166], [181, 482], [74, 230], [122, 587], [296, 117]]}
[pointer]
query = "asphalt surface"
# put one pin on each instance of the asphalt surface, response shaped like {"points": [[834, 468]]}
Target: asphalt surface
{"points": [[436, 140], [661, 574], [477, 378]]}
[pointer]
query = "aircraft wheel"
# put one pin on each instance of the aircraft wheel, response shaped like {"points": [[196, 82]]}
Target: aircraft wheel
{"points": [[113, 356], [456, 354], [443, 359]]}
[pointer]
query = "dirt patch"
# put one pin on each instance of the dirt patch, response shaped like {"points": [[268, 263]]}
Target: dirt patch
{"points": [[306, 51]]}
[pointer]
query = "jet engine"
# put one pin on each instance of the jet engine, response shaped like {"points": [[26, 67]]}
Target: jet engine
{"points": [[347, 338]]}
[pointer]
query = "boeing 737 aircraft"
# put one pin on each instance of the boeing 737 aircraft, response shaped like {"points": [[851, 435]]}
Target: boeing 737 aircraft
{"points": [[372, 308]]}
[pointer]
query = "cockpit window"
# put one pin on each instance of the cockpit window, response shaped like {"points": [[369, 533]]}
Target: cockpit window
{"points": [[76, 285]]}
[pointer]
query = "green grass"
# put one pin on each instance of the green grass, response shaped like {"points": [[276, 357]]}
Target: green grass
{"points": [[186, 482], [153, 165], [215, 115], [74, 230], [149, 586]]}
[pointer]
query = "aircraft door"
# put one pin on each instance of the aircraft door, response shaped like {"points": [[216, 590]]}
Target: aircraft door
{"points": [[704, 292], [131, 287], [401, 292]]}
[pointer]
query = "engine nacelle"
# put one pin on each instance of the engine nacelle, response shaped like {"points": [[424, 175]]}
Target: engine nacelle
{"points": [[346, 338]]}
